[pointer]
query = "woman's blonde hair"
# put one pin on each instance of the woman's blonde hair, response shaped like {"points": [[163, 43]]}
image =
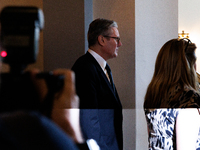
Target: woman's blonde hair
{"points": [[174, 66]]}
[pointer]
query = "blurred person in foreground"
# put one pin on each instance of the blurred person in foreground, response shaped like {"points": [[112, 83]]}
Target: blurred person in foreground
{"points": [[24, 129], [23, 126], [172, 99]]}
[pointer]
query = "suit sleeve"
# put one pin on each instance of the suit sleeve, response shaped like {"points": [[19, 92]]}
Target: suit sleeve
{"points": [[87, 86], [91, 127]]}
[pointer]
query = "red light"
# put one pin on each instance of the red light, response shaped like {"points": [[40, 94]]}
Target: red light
{"points": [[3, 53]]}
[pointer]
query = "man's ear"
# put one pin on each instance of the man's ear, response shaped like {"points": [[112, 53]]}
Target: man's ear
{"points": [[101, 40]]}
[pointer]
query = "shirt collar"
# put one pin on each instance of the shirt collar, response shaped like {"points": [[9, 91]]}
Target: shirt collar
{"points": [[98, 58]]}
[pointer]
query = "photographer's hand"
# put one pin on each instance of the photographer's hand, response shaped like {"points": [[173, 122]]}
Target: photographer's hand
{"points": [[65, 110], [66, 97]]}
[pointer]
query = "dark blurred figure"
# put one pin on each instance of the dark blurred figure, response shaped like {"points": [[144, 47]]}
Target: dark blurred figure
{"points": [[22, 125]]}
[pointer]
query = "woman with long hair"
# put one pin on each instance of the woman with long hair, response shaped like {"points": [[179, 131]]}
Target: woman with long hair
{"points": [[174, 86]]}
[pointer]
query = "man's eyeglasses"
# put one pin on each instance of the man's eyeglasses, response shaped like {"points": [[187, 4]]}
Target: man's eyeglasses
{"points": [[116, 38]]}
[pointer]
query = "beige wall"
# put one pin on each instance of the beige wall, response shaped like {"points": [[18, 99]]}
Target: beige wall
{"points": [[38, 3], [64, 33]]}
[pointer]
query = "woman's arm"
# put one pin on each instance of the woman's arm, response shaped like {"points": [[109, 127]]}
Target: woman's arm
{"points": [[187, 129]]}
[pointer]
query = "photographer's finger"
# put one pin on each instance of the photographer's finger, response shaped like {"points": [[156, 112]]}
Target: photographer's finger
{"points": [[67, 97], [69, 81], [39, 84], [33, 72]]}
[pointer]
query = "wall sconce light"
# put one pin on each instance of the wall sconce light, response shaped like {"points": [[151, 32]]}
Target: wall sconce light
{"points": [[183, 35]]}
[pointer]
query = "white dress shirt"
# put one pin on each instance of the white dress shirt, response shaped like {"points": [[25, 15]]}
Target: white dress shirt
{"points": [[100, 60]]}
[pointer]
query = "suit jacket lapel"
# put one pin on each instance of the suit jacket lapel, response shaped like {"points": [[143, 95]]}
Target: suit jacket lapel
{"points": [[115, 94], [100, 71]]}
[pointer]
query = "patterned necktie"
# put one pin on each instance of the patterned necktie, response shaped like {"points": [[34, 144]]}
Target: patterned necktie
{"points": [[110, 76]]}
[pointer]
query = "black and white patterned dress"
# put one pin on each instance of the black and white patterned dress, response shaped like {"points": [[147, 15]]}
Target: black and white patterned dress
{"points": [[161, 129], [161, 122]]}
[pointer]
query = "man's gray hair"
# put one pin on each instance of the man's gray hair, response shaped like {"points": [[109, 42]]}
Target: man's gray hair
{"points": [[98, 27]]}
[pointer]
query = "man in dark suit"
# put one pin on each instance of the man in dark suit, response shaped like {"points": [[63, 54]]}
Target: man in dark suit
{"points": [[101, 109]]}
